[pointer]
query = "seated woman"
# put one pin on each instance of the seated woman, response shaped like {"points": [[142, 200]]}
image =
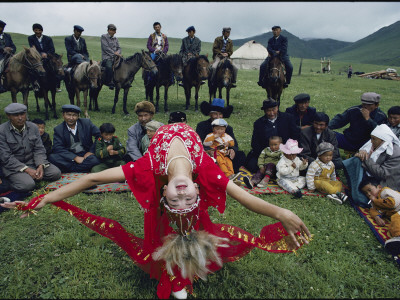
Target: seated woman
{"points": [[378, 158], [180, 241]]}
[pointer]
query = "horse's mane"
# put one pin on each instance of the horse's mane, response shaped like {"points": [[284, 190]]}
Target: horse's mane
{"points": [[227, 65], [176, 58], [20, 57], [80, 69], [135, 57], [193, 64]]}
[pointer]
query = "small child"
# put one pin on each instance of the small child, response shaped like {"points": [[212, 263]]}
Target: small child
{"points": [[385, 204], [267, 161], [289, 167], [220, 141], [394, 120], [321, 174], [151, 128], [109, 149], [44, 135]]}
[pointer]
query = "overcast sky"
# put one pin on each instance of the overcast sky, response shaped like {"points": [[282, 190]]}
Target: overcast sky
{"points": [[344, 21]]}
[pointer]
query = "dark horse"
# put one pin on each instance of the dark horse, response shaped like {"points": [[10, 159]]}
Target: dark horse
{"points": [[275, 79], [193, 74], [22, 67], [169, 66], [54, 74], [223, 79]]}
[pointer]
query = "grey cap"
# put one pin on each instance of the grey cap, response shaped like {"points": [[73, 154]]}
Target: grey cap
{"points": [[324, 147], [153, 125], [370, 98], [70, 107], [15, 108], [228, 29], [112, 26]]}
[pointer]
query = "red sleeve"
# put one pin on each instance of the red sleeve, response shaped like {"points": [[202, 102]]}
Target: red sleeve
{"points": [[212, 182], [140, 179]]}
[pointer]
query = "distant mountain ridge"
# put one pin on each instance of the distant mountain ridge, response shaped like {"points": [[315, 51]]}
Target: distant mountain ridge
{"points": [[380, 47]]}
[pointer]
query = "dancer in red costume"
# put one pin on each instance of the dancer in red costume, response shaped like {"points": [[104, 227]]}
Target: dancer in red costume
{"points": [[175, 182]]}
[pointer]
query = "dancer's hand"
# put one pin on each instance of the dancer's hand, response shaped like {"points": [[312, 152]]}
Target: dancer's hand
{"points": [[293, 224], [12, 205]]}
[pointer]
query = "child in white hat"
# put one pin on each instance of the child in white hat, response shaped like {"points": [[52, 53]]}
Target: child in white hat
{"points": [[289, 167], [220, 142]]}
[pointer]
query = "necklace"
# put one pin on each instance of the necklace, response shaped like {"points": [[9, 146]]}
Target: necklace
{"points": [[175, 157]]}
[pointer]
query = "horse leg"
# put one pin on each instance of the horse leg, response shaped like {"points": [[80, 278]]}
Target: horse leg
{"points": [[157, 97], [166, 98], [228, 89], [78, 99], [126, 91], [116, 94], [25, 95], [188, 95], [46, 104], [37, 103], [196, 98], [53, 100], [219, 92], [85, 94]]}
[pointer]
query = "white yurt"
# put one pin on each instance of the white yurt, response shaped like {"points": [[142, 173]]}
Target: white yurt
{"points": [[249, 56]]}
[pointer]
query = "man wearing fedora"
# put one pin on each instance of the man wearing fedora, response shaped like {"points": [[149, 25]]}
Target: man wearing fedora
{"points": [[362, 118], [277, 45], [217, 110], [110, 48], [223, 48], [73, 146], [273, 123], [7, 48], [22, 154], [76, 47]]}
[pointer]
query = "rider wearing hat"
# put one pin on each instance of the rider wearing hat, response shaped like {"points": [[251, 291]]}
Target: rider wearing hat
{"points": [[191, 45], [76, 47], [223, 47], [277, 45], [7, 48], [109, 50]]}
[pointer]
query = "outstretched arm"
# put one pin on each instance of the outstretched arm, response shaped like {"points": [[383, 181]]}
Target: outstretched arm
{"points": [[110, 175], [289, 220]]}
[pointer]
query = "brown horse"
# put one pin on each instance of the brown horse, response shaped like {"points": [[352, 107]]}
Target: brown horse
{"points": [[193, 74], [275, 78], [223, 79], [54, 74], [23, 66], [86, 76], [169, 67]]}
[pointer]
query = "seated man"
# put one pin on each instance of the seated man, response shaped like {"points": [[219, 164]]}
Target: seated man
{"points": [[303, 114], [273, 123], [145, 111], [217, 110], [109, 50], [362, 118], [22, 155], [191, 45], [157, 43], [76, 47], [7, 48], [394, 120], [277, 45], [73, 146], [312, 136]]}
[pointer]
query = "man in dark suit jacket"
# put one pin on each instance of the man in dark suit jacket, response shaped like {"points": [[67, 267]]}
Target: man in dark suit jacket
{"points": [[7, 48], [73, 147], [302, 112], [76, 47], [273, 123], [191, 45], [277, 45], [43, 43]]}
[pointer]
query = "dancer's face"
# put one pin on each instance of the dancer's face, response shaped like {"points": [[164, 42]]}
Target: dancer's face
{"points": [[181, 192]]}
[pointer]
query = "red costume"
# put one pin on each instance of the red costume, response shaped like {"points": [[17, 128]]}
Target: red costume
{"points": [[145, 177]]}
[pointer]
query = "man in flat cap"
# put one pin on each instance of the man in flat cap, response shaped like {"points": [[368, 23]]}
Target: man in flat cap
{"points": [[76, 47], [145, 111], [110, 49], [7, 48], [22, 154], [191, 45], [363, 119], [301, 111], [222, 48], [273, 123], [73, 146], [277, 45]]}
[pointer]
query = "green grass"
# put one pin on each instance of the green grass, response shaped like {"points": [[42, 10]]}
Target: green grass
{"points": [[53, 256]]}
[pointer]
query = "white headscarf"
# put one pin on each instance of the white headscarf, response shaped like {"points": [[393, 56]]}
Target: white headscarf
{"points": [[384, 133]]}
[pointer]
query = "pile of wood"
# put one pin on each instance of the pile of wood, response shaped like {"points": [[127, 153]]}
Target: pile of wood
{"points": [[383, 74]]}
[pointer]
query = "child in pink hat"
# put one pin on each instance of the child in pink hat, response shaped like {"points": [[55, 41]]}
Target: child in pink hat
{"points": [[289, 167]]}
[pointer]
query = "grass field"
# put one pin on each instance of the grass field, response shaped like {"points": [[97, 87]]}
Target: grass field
{"points": [[53, 256]]}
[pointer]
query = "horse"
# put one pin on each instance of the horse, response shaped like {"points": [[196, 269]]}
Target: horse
{"points": [[169, 67], [86, 76], [275, 79], [223, 79], [54, 74], [194, 73], [22, 67]]}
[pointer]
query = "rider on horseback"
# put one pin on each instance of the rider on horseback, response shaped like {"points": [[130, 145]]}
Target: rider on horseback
{"points": [[76, 49], [109, 50], [277, 45], [222, 47], [7, 49]]}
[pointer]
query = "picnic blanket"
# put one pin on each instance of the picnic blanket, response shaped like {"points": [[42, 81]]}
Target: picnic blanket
{"points": [[67, 178]]}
